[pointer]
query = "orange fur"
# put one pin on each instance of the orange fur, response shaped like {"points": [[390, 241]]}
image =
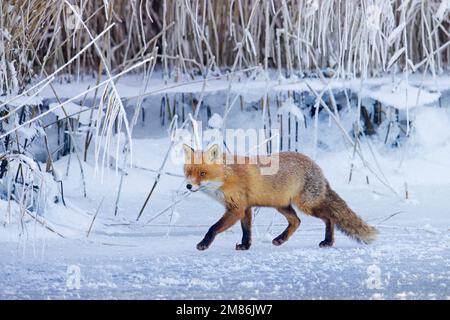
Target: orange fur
{"points": [[240, 186]]}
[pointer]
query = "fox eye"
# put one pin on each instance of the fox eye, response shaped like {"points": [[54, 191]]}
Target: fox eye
{"points": [[203, 173]]}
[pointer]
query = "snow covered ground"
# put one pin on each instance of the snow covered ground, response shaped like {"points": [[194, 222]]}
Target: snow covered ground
{"points": [[403, 264], [157, 259], [123, 259]]}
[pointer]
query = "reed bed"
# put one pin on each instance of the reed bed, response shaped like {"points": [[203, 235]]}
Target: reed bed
{"points": [[294, 37], [69, 40]]}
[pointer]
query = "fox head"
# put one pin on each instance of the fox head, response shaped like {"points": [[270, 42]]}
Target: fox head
{"points": [[203, 169]]}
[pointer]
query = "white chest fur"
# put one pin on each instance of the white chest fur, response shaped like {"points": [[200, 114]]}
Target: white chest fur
{"points": [[212, 189]]}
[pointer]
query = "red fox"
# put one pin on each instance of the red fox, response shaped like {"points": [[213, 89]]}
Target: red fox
{"points": [[298, 182]]}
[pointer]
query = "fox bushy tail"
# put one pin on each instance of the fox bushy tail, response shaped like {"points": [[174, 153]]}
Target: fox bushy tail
{"points": [[348, 221]]}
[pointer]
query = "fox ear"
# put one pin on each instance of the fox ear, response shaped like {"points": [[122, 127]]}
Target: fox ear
{"points": [[188, 153], [213, 152]]}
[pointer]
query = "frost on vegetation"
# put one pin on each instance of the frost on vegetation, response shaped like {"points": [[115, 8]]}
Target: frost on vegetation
{"points": [[25, 184], [373, 17], [443, 9], [289, 106], [32, 189], [312, 6]]}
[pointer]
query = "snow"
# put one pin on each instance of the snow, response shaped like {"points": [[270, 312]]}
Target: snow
{"points": [[432, 127], [402, 96], [143, 263], [123, 258], [19, 101], [289, 106], [251, 89], [215, 121], [73, 110], [297, 270]]}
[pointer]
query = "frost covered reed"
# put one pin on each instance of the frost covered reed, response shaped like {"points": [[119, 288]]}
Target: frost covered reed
{"points": [[352, 37]]}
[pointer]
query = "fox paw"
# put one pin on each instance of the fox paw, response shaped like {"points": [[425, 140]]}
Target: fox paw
{"points": [[242, 246], [202, 245], [325, 244], [278, 241]]}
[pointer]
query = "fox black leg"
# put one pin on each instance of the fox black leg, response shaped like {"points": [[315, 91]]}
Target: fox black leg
{"points": [[294, 223], [246, 224], [228, 219], [329, 234]]}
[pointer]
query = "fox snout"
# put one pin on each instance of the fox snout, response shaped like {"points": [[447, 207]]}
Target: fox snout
{"points": [[191, 187]]}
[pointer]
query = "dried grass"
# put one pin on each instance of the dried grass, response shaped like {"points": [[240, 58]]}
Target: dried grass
{"points": [[352, 37]]}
